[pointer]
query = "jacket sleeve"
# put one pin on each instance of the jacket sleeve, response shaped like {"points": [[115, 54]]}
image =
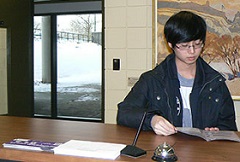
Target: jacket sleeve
{"points": [[227, 117], [131, 110]]}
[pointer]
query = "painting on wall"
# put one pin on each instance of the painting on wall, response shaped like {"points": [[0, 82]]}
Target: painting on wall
{"points": [[222, 46]]}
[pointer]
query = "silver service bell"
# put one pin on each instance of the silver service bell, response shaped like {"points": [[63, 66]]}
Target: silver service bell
{"points": [[164, 153]]}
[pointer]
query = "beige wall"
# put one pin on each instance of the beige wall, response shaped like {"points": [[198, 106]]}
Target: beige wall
{"points": [[3, 71], [128, 36], [237, 108]]}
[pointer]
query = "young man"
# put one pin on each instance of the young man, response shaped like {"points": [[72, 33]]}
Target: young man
{"points": [[182, 91]]}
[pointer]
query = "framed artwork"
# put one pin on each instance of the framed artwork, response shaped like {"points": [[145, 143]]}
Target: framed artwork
{"points": [[222, 46]]}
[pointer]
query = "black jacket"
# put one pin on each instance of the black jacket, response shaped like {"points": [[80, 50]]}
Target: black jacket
{"points": [[156, 92]]}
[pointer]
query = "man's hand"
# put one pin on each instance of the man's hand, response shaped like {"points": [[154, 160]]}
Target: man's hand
{"points": [[161, 126]]}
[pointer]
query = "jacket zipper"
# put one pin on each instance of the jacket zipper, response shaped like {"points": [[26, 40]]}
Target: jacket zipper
{"points": [[170, 109], [207, 83]]}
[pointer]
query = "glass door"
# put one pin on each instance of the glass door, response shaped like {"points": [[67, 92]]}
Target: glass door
{"points": [[79, 66], [42, 63], [68, 82]]}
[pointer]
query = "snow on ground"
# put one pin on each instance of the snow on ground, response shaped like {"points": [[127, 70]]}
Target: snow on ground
{"points": [[78, 64]]}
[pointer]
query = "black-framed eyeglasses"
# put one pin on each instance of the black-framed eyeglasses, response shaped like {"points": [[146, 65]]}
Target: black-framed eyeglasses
{"points": [[187, 46]]}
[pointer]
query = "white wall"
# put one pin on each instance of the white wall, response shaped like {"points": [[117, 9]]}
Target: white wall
{"points": [[3, 71], [128, 36]]}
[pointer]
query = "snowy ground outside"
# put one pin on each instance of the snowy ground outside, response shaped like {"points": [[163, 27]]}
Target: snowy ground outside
{"points": [[79, 80]]}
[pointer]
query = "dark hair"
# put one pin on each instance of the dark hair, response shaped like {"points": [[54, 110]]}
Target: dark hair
{"points": [[185, 26]]}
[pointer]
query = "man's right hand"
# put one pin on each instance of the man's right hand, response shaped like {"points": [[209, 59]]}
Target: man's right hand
{"points": [[161, 126]]}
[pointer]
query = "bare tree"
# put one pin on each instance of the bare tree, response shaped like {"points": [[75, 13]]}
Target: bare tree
{"points": [[37, 29], [224, 48], [83, 25], [211, 49]]}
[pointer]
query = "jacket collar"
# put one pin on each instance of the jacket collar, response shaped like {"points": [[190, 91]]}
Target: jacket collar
{"points": [[204, 72], [167, 64]]}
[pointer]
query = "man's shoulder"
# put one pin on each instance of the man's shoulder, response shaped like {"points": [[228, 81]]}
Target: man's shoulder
{"points": [[160, 70]]}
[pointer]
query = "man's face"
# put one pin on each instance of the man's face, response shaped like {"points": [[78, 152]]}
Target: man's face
{"points": [[188, 52]]}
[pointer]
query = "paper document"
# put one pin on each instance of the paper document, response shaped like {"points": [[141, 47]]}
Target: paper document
{"points": [[210, 135], [90, 149]]}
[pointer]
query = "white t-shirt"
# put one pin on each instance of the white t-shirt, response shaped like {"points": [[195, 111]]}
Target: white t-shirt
{"points": [[185, 90]]}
